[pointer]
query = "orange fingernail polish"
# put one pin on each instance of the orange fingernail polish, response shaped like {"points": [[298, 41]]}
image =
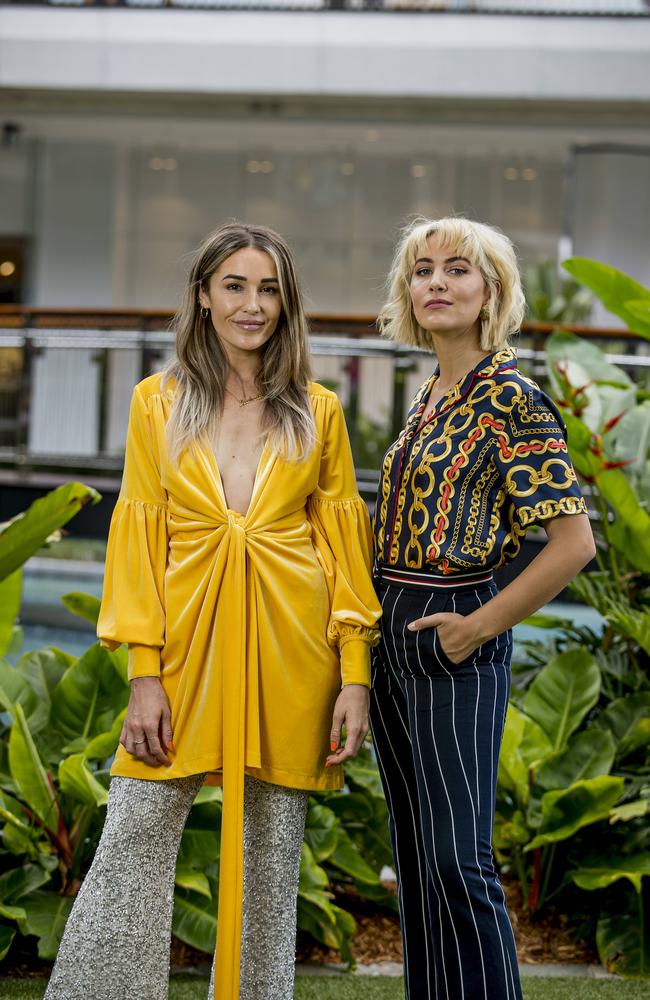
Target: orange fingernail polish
{"points": [[333, 746]]}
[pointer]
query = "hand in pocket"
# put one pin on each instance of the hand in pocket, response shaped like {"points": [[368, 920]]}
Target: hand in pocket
{"points": [[454, 634]]}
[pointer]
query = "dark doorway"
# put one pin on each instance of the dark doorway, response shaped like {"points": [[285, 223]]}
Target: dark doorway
{"points": [[12, 270]]}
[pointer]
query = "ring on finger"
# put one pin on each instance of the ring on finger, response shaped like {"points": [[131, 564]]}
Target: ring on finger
{"points": [[140, 741]]}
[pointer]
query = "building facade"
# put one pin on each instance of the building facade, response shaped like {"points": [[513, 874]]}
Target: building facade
{"points": [[128, 132]]}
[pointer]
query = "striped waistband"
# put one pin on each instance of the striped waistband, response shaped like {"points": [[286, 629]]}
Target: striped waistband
{"points": [[412, 577]]}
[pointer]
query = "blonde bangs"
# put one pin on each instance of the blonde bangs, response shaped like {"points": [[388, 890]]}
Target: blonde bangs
{"points": [[486, 248]]}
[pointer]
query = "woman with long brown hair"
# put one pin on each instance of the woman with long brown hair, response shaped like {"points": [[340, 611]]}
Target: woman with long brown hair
{"points": [[238, 573]]}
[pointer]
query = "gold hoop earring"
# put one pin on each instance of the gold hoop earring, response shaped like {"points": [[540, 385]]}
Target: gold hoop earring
{"points": [[204, 312], [484, 314]]}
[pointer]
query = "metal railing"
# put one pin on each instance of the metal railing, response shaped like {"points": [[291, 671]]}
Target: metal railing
{"points": [[551, 8], [66, 379]]}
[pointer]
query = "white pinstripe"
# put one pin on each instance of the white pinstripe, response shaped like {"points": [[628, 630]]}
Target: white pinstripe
{"points": [[433, 828], [511, 990], [451, 811], [487, 892], [415, 825]]}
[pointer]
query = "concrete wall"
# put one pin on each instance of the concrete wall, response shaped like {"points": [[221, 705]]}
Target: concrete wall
{"points": [[325, 53]]}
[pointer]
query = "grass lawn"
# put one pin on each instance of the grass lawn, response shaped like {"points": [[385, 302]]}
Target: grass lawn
{"points": [[362, 988]]}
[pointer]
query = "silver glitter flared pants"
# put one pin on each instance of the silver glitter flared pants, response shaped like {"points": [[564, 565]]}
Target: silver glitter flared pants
{"points": [[116, 942]]}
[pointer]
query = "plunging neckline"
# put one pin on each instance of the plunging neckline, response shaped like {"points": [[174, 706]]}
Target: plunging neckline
{"points": [[222, 490]]}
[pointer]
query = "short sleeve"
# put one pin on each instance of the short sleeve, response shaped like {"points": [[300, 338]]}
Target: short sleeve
{"points": [[132, 609], [342, 536], [532, 455]]}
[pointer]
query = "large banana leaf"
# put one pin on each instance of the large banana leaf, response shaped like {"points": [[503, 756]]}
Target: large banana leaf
{"points": [[513, 772], [511, 832], [606, 391], [105, 745], [629, 440], [322, 830], [629, 532], [328, 924], [628, 719], [19, 882], [200, 841], [317, 914], [7, 934], [562, 694], [614, 289], [631, 867], [354, 809], [362, 771], [194, 880], [25, 535], [581, 442], [29, 774], [89, 688], [631, 622], [195, 917], [524, 745], [46, 914], [77, 781], [347, 858], [86, 606], [640, 308], [567, 810], [10, 594], [588, 754], [623, 938], [15, 689], [41, 670], [630, 810], [17, 837]]}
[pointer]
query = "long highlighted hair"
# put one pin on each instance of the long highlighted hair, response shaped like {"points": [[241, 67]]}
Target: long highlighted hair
{"points": [[200, 368]]}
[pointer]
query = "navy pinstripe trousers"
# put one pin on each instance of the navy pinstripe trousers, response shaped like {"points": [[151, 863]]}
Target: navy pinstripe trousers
{"points": [[437, 730]]}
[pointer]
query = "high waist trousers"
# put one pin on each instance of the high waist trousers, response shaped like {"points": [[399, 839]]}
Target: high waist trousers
{"points": [[437, 730], [116, 942]]}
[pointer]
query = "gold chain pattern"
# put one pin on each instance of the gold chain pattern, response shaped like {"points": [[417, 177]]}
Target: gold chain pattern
{"points": [[458, 493]]}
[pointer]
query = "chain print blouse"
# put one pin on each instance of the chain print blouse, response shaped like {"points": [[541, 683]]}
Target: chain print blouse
{"points": [[456, 495]]}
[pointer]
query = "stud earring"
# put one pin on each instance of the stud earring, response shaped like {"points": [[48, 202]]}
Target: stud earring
{"points": [[204, 312], [484, 314]]}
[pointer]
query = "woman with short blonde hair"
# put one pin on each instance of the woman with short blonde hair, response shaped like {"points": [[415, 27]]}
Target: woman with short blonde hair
{"points": [[492, 253], [482, 457]]}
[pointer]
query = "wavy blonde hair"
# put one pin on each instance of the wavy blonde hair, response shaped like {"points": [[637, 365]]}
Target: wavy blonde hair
{"points": [[487, 248], [201, 365]]}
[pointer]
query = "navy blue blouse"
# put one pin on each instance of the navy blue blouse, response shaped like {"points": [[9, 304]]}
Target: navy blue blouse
{"points": [[456, 495]]}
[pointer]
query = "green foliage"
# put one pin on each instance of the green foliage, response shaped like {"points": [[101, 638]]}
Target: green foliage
{"points": [[620, 294], [550, 298], [61, 723], [21, 537], [574, 776]]}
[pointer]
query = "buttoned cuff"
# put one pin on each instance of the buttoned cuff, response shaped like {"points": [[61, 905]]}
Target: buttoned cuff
{"points": [[144, 661], [355, 662]]}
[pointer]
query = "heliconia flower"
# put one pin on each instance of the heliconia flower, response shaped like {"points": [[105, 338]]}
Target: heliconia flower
{"points": [[613, 422], [618, 465]]}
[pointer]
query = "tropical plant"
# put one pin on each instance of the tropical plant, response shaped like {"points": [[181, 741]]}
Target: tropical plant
{"points": [[60, 721], [552, 298], [24, 535], [574, 778]]}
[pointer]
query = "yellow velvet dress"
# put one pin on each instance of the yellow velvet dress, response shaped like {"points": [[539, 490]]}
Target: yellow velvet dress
{"points": [[253, 622]]}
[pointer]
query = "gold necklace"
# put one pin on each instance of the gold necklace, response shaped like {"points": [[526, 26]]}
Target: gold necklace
{"points": [[247, 399]]}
